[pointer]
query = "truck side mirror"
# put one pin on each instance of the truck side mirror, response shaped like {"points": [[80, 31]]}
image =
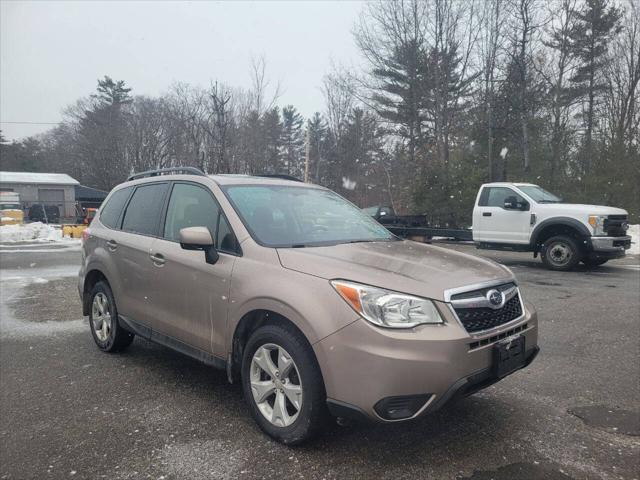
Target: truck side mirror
{"points": [[511, 203]]}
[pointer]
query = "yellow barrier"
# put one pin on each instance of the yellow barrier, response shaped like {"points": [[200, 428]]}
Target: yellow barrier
{"points": [[73, 231], [11, 217]]}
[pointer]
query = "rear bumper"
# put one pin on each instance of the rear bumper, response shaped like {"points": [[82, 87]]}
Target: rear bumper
{"points": [[609, 247], [366, 368]]}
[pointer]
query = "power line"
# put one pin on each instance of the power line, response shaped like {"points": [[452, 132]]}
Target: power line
{"points": [[33, 123]]}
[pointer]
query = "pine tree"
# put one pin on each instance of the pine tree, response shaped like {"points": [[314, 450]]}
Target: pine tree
{"points": [[292, 141], [596, 24]]}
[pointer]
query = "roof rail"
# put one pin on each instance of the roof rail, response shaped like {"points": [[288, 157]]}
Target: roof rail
{"points": [[282, 176], [167, 171]]}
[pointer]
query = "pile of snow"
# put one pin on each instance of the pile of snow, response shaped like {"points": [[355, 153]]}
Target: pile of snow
{"points": [[634, 231], [29, 232]]}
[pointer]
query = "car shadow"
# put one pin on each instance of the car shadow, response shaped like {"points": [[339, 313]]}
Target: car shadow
{"points": [[467, 428]]}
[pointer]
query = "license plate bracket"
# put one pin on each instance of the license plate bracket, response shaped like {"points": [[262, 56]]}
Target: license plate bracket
{"points": [[508, 355]]}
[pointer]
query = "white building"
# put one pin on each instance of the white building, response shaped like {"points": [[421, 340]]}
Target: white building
{"points": [[51, 189]]}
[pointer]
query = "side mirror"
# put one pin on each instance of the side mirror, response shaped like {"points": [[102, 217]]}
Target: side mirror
{"points": [[512, 203], [199, 238]]}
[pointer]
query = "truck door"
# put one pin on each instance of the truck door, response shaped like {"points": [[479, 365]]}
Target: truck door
{"points": [[501, 216]]}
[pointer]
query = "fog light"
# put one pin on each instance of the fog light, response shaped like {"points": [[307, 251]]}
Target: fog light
{"points": [[398, 408]]}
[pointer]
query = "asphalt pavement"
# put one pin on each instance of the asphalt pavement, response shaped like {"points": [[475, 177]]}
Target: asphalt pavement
{"points": [[68, 410]]}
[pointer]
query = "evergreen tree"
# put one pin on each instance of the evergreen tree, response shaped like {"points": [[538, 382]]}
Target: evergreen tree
{"points": [[292, 142], [597, 22]]}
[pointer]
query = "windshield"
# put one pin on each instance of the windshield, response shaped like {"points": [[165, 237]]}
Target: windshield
{"points": [[539, 195], [10, 206], [282, 216]]}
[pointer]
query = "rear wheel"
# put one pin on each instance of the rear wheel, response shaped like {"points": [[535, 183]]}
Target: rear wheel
{"points": [[283, 385], [561, 253], [103, 320], [594, 262]]}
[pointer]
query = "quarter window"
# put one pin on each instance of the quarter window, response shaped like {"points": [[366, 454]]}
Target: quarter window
{"points": [[143, 212], [110, 212]]}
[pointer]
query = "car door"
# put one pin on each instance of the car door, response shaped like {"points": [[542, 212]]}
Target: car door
{"points": [[496, 223], [193, 295], [140, 227]]}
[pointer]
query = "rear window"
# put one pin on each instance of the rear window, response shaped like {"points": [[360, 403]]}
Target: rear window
{"points": [[110, 212], [145, 207]]}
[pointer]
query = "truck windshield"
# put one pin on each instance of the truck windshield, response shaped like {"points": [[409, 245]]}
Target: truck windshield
{"points": [[295, 217], [539, 194]]}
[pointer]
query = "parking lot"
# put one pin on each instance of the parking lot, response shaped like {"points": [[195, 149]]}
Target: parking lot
{"points": [[70, 411]]}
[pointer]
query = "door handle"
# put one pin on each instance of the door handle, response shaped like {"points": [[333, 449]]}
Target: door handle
{"points": [[486, 214], [157, 259], [112, 245]]}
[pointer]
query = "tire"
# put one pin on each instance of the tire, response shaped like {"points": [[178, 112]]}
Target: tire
{"points": [[594, 262], [103, 321], [297, 423], [561, 253]]}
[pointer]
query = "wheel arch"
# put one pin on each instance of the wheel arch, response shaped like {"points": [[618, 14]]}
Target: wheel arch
{"points": [[92, 277], [558, 226], [248, 324]]}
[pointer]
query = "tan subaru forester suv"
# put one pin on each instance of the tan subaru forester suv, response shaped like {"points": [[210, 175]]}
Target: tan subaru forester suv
{"points": [[312, 305]]}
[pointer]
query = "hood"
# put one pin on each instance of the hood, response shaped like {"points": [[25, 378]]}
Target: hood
{"points": [[402, 266], [584, 209]]}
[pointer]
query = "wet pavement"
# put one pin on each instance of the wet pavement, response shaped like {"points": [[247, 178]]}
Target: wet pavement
{"points": [[71, 411]]}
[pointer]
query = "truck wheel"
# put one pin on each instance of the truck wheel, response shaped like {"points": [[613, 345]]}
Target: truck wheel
{"points": [[594, 262], [103, 320], [561, 253], [283, 385]]}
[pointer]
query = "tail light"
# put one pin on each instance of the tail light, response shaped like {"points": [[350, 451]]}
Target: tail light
{"points": [[86, 233]]}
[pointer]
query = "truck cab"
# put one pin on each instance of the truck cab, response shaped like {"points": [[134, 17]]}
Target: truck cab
{"points": [[525, 217]]}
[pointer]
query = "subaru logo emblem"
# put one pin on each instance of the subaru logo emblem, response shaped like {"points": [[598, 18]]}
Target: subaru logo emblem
{"points": [[495, 298]]}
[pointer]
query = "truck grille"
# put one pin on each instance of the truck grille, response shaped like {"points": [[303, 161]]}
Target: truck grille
{"points": [[616, 225], [475, 314]]}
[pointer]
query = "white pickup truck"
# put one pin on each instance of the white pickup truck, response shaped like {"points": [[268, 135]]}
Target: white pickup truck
{"points": [[525, 217]]}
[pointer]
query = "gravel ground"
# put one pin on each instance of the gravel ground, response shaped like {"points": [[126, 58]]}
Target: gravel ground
{"points": [[70, 411]]}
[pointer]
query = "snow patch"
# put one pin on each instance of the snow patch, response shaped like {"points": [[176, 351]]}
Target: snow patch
{"points": [[348, 184], [28, 232], [503, 152]]}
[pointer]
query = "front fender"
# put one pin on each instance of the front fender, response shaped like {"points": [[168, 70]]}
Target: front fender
{"points": [[311, 302]]}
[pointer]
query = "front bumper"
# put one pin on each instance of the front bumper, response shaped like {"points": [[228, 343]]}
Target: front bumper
{"points": [[609, 247], [364, 366]]}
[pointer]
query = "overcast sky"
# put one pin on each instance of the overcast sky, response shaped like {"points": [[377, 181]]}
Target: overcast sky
{"points": [[52, 53]]}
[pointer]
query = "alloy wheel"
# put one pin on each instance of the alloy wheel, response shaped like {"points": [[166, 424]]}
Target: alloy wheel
{"points": [[101, 316], [275, 385]]}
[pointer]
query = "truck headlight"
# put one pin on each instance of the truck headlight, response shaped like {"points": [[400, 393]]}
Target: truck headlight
{"points": [[597, 223], [386, 308]]}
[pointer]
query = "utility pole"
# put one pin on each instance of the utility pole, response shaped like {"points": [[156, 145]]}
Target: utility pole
{"points": [[306, 156]]}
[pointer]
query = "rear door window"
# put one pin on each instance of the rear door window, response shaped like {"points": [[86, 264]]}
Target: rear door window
{"points": [[145, 207], [110, 212]]}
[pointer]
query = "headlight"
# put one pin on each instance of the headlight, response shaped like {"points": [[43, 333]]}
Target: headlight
{"points": [[385, 308], [597, 222]]}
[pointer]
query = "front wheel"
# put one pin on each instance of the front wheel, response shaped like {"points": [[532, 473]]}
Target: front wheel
{"points": [[561, 253], [283, 385]]}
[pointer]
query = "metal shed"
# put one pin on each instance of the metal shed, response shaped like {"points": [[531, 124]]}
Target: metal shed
{"points": [[55, 190]]}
